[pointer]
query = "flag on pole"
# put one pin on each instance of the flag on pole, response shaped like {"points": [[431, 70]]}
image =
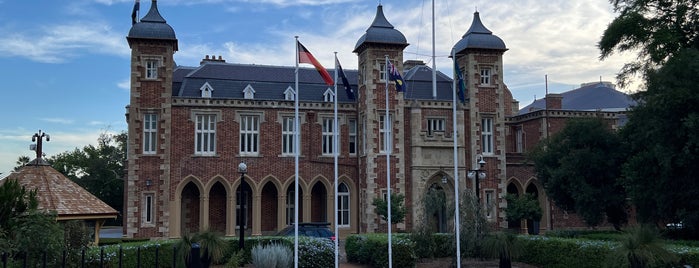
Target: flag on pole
{"points": [[306, 57], [136, 7], [394, 75], [461, 87], [345, 82]]}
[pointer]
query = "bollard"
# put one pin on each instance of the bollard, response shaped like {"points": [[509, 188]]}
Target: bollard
{"points": [[194, 260]]}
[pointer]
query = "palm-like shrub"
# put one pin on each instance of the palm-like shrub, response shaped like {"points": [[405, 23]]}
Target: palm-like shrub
{"points": [[640, 247], [503, 245]]}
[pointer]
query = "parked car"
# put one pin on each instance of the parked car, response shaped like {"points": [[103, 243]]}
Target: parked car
{"points": [[314, 229]]}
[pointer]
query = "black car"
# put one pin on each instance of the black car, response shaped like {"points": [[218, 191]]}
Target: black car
{"points": [[314, 229]]}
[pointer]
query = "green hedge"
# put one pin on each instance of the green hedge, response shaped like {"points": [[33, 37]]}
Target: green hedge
{"points": [[372, 249]]}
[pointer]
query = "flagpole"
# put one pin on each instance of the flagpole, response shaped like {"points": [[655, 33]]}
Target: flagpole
{"points": [[434, 63], [456, 164], [335, 154], [297, 144], [387, 148]]}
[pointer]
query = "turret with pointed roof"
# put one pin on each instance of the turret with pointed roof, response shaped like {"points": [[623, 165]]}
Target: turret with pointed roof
{"points": [[381, 32], [152, 26], [479, 37]]}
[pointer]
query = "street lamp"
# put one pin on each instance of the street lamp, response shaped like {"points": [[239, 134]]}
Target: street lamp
{"points": [[481, 175], [242, 169]]}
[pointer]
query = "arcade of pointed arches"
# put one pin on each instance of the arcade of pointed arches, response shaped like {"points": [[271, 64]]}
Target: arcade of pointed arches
{"points": [[269, 204]]}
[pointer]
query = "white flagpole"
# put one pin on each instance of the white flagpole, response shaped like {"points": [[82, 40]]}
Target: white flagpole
{"points": [[387, 149], [335, 154], [434, 62], [456, 164], [297, 144]]}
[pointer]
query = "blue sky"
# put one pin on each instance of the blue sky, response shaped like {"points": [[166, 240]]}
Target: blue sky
{"points": [[65, 64]]}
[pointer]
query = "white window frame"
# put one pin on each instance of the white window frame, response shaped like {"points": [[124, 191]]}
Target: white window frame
{"points": [[289, 94], [206, 90], [490, 203], [382, 71], [487, 135], [343, 205], [435, 125], [205, 134], [249, 92], [148, 213], [249, 134], [383, 147], [327, 136], [152, 68], [329, 95], [288, 136], [150, 133], [290, 206], [485, 75], [352, 136]]}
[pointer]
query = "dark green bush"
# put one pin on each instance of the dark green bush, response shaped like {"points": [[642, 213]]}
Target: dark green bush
{"points": [[372, 249]]}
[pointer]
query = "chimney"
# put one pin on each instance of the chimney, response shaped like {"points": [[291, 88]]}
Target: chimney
{"points": [[553, 101], [409, 64], [212, 59]]}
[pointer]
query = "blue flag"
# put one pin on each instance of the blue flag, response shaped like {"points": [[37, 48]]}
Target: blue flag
{"points": [[394, 75], [345, 82], [461, 87]]}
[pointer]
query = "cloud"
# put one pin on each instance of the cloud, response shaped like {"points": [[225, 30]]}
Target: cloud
{"points": [[125, 84], [58, 43], [61, 121]]}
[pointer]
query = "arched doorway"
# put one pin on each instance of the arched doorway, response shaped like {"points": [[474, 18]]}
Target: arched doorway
{"points": [[269, 208], [533, 226], [217, 208], [290, 206], [190, 209], [435, 202], [319, 201], [247, 202], [513, 190]]}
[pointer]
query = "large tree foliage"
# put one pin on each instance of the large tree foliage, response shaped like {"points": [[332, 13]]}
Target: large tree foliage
{"points": [[656, 29], [663, 133], [99, 169], [579, 168]]}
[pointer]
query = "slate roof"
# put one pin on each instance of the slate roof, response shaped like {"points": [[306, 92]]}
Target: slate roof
{"points": [[152, 26], [228, 81], [479, 37], [589, 97], [56, 192], [381, 32]]}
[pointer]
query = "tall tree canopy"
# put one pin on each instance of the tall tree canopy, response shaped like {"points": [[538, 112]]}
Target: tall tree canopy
{"points": [[579, 168], [100, 169], [663, 135], [657, 29]]}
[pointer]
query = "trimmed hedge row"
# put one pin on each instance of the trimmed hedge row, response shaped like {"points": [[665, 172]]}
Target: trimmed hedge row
{"points": [[372, 249]]}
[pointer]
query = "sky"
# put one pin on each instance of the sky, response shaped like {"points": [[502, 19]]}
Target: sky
{"points": [[65, 64]]}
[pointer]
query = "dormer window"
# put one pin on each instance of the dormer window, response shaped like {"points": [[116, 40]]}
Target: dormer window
{"points": [[206, 90], [329, 95], [249, 92], [289, 94]]}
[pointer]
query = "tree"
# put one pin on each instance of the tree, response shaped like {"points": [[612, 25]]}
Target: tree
{"points": [[579, 168], [524, 207], [21, 161], [99, 170], [663, 137], [657, 29], [397, 208]]}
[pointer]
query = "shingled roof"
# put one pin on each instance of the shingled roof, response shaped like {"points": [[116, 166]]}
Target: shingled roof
{"points": [[55, 192], [596, 96]]}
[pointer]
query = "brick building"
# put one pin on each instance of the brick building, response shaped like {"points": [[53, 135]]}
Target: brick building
{"points": [[190, 127]]}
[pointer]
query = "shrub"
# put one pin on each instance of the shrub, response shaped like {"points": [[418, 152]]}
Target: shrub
{"points": [[272, 256], [372, 249]]}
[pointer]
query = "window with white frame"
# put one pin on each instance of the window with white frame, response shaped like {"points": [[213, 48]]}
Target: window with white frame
{"points": [[343, 205], [249, 134], [328, 131], [287, 136], [434, 124], [152, 69], [487, 135], [205, 134], [485, 76], [329, 95], [290, 206], [352, 133], [148, 208], [206, 90], [150, 133], [489, 204], [249, 92], [519, 137], [382, 72], [289, 94], [385, 145]]}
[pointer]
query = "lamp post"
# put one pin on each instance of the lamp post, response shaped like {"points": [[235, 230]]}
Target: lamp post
{"points": [[242, 169], [477, 175]]}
